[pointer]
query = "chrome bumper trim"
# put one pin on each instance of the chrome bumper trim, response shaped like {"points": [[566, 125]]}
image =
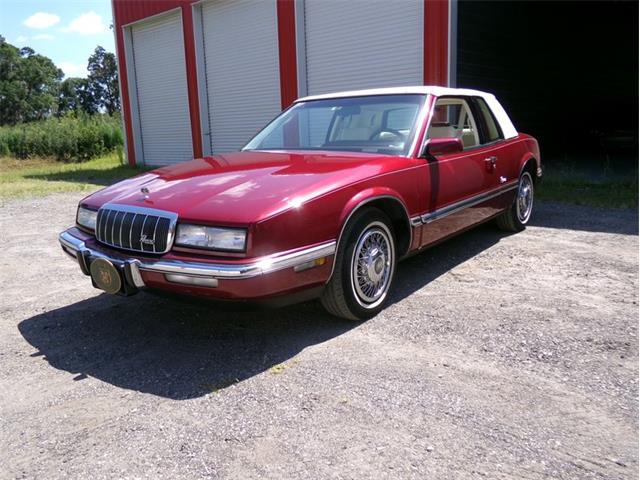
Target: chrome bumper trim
{"points": [[76, 247]]}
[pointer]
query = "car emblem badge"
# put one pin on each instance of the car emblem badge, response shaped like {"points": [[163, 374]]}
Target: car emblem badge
{"points": [[145, 192], [145, 240], [105, 277]]}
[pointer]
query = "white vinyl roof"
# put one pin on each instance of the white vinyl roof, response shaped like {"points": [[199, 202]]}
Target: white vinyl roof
{"points": [[503, 119]]}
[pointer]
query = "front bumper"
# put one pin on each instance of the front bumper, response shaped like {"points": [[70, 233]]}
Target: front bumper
{"points": [[236, 280]]}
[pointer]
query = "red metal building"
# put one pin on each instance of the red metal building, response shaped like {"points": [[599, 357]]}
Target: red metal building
{"points": [[201, 77]]}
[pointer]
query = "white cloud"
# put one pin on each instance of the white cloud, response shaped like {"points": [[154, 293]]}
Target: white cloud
{"points": [[43, 36], [89, 23], [41, 20], [21, 41], [71, 69]]}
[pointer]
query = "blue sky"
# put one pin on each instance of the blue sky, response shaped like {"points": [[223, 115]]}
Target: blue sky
{"points": [[66, 31]]}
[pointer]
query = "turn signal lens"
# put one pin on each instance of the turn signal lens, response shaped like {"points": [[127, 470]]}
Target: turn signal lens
{"points": [[307, 265]]}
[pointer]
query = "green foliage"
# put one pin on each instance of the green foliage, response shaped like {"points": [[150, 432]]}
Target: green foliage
{"points": [[98, 92], [28, 85], [31, 86], [69, 138], [76, 96], [103, 79]]}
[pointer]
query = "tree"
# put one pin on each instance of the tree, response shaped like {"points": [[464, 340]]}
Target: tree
{"points": [[86, 94], [28, 85], [76, 94], [31, 86], [103, 80], [68, 98]]}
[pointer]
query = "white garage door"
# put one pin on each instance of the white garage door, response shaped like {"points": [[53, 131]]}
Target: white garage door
{"points": [[363, 44], [161, 84], [241, 67]]}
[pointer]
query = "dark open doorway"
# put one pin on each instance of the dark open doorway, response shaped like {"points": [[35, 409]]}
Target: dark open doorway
{"points": [[567, 72]]}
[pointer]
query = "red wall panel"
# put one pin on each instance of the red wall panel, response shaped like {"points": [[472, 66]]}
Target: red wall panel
{"points": [[287, 47], [128, 11], [436, 42]]}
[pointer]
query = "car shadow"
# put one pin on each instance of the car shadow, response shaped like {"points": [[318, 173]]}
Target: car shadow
{"points": [[181, 350], [172, 348]]}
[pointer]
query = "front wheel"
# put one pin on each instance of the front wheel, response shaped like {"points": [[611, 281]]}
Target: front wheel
{"points": [[516, 217], [365, 265]]}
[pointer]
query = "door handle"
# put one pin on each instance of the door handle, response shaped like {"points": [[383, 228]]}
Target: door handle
{"points": [[490, 163]]}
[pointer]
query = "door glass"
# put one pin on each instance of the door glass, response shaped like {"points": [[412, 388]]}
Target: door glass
{"points": [[452, 118]]}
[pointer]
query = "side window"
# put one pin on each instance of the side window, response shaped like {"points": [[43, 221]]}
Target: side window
{"points": [[452, 117], [491, 128]]}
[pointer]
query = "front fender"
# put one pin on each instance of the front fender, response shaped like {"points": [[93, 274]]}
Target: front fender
{"points": [[366, 196]]}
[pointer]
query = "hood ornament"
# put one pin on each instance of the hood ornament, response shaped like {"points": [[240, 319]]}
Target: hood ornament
{"points": [[145, 192]]}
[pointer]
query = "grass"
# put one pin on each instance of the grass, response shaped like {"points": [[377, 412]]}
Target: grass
{"points": [[39, 177], [565, 185]]}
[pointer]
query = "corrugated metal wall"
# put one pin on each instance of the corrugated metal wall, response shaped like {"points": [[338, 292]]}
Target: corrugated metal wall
{"points": [[241, 69], [162, 91], [363, 44]]}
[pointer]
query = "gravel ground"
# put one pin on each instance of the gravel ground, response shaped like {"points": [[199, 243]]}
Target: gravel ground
{"points": [[500, 357]]}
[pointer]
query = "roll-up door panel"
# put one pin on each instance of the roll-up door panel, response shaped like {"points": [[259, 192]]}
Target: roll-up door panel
{"points": [[363, 44], [161, 82], [241, 66]]}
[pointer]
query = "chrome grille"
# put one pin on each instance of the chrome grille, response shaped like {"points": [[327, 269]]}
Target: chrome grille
{"points": [[136, 228]]}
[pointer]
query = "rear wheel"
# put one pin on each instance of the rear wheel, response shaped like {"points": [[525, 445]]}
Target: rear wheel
{"points": [[516, 217], [365, 265]]}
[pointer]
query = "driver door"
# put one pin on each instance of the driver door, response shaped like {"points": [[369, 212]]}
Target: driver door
{"points": [[454, 179]]}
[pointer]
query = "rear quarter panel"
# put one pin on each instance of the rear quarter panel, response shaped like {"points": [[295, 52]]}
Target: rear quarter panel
{"points": [[519, 151]]}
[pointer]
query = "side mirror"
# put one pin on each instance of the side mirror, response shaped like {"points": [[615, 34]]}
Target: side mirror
{"points": [[441, 146]]}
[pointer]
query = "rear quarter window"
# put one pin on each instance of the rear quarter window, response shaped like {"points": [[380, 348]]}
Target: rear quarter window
{"points": [[491, 127]]}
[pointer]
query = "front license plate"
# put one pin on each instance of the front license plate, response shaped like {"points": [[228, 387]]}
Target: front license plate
{"points": [[105, 275]]}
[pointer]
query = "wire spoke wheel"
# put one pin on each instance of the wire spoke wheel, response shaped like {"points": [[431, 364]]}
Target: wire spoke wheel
{"points": [[365, 266], [524, 202], [372, 265]]}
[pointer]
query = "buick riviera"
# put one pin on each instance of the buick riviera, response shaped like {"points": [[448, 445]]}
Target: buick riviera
{"points": [[323, 202]]}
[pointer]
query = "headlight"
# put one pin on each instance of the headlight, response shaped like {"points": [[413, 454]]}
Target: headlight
{"points": [[213, 238], [87, 218]]}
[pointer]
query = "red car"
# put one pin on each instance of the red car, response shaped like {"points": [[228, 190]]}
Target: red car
{"points": [[323, 202]]}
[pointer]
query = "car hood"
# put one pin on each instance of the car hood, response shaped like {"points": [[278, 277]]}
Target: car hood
{"points": [[244, 187]]}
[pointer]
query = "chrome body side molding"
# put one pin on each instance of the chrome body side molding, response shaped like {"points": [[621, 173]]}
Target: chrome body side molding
{"points": [[416, 221], [461, 205]]}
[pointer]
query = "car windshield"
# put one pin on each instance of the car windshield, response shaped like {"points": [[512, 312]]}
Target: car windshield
{"points": [[376, 124]]}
